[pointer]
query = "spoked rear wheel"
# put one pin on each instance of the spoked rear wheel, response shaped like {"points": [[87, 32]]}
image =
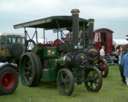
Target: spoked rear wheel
{"points": [[8, 79], [30, 69], [65, 82], [93, 79]]}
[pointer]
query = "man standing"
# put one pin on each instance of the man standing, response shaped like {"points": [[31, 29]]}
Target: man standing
{"points": [[120, 53], [102, 51], [124, 64]]}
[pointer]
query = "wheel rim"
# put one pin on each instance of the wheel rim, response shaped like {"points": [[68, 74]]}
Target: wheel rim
{"points": [[27, 69], [103, 66], [65, 83], [93, 80], [8, 81]]}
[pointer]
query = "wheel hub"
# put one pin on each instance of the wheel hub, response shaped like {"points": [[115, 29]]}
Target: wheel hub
{"points": [[8, 81]]}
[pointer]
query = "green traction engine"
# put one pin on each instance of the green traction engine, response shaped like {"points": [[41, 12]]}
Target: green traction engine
{"points": [[66, 60]]}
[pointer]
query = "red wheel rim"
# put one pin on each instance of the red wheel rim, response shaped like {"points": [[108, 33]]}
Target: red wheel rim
{"points": [[8, 81], [103, 66]]}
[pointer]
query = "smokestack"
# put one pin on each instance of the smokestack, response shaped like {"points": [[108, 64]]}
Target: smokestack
{"points": [[90, 30], [75, 25]]}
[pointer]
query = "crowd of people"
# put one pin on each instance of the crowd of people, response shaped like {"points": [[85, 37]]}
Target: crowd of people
{"points": [[123, 63], [122, 52]]}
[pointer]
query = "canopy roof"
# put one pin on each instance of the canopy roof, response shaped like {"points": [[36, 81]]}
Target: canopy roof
{"points": [[104, 29], [52, 22]]}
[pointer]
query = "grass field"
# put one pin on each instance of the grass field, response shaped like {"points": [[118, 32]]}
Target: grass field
{"points": [[112, 91]]}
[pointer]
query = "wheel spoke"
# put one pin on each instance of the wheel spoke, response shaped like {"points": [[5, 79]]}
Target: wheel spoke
{"points": [[65, 81], [94, 80], [27, 69], [62, 76]]}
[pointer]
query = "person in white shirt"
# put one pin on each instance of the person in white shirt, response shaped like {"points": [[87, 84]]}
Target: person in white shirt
{"points": [[102, 51]]}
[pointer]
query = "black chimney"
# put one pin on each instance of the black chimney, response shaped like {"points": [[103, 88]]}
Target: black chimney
{"points": [[75, 26], [90, 30]]}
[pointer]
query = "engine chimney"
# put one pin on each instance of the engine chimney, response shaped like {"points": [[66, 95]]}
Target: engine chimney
{"points": [[90, 30], [75, 26]]}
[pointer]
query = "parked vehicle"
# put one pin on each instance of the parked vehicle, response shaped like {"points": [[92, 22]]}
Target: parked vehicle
{"points": [[64, 60], [11, 47]]}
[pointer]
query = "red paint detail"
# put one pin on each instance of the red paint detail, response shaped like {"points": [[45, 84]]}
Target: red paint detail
{"points": [[8, 81], [57, 42], [103, 66]]}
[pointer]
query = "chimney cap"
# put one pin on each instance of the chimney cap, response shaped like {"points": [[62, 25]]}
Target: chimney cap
{"points": [[75, 11]]}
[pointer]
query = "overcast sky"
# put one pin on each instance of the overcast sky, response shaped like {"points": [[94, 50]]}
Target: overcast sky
{"points": [[112, 14]]}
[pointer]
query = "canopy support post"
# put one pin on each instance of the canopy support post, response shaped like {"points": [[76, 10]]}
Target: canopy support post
{"points": [[44, 35], [36, 34], [27, 36]]}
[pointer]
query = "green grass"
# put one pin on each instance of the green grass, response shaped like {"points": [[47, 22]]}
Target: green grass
{"points": [[112, 91]]}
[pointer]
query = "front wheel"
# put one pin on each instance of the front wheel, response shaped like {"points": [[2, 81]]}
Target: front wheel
{"points": [[65, 82], [93, 79], [8, 79]]}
